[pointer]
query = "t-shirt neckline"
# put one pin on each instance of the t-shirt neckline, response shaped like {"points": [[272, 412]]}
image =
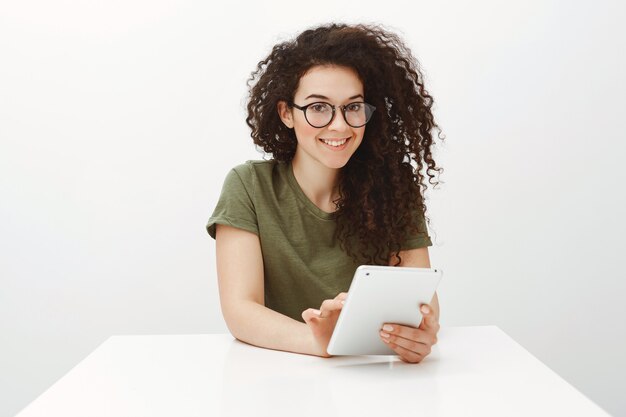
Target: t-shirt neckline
{"points": [[293, 182]]}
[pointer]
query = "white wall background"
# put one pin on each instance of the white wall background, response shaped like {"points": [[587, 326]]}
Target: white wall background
{"points": [[120, 119]]}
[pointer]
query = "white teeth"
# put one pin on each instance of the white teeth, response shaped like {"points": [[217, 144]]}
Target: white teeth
{"points": [[334, 143]]}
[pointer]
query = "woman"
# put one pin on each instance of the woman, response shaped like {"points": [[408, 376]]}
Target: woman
{"points": [[290, 231]]}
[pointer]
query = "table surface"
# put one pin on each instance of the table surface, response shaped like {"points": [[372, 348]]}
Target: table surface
{"points": [[471, 371]]}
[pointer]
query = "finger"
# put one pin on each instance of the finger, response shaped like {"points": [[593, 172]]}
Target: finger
{"points": [[330, 307], [406, 355], [341, 296], [429, 320], [412, 334], [310, 314], [417, 347]]}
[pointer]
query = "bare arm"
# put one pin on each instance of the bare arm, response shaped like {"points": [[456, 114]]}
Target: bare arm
{"points": [[417, 258], [240, 280]]}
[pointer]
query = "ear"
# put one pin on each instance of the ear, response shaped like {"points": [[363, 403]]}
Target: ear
{"points": [[285, 113]]}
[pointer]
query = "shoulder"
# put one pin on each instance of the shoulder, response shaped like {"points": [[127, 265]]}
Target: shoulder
{"points": [[250, 175], [255, 170], [254, 167]]}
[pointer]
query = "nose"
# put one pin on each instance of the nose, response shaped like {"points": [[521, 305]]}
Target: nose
{"points": [[338, 122]]}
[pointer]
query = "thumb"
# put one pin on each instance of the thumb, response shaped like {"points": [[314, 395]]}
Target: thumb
{"points": [[428, 317], [310, 314]]}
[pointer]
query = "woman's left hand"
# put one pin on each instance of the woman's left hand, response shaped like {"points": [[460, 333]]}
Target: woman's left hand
{"points": [[410, 343]]}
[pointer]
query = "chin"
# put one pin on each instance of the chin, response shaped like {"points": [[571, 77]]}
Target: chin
{"points": [[336, 163]]}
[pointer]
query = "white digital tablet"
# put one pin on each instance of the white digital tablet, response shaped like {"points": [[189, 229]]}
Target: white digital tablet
{"points": [[378, 295]]}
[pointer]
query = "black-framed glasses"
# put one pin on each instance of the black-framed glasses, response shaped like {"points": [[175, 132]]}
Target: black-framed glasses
{"points": [[321, 114]]}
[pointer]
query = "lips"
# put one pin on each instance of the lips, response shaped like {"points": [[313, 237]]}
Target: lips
{"points": [[347, 139], [337, 148]]}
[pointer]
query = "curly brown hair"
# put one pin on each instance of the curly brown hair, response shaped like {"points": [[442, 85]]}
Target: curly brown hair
{"points": [[380, 200]]}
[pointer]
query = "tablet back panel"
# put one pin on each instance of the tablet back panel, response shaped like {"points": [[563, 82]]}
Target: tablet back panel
{"points": [[378, 295]]}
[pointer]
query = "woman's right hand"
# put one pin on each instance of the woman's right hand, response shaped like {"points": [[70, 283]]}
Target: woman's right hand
{"points": [[322, 322]]}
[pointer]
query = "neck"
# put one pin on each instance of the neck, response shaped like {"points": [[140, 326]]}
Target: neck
{"points": [[318, 182]]}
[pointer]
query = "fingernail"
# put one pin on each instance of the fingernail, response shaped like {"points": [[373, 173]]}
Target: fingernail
{"points": [[316, 312], [425, 309], [383, 334], [387, 327]]}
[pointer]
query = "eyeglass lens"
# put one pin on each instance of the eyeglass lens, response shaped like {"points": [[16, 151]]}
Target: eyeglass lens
{"points": [[320, 114]]}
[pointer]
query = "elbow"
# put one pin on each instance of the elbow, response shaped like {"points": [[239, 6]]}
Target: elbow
{"points": [[236, 316]]}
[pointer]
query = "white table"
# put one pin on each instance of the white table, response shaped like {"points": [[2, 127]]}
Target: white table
{"points": [[471, 371]]}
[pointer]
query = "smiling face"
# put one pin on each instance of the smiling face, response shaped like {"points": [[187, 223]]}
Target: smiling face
{"points": [[335, 85]]}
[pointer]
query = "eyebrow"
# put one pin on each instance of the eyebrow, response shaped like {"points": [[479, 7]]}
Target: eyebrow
{"points": [[326, 98]]}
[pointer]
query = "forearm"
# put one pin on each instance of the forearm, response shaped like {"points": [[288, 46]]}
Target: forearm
{"points": [[258, 325]]}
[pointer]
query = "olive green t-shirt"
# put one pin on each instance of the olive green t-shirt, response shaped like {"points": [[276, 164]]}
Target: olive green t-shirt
{"points": [[302, 264]]}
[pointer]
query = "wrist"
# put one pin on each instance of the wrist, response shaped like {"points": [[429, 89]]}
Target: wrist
{"points": [[317, 348]]}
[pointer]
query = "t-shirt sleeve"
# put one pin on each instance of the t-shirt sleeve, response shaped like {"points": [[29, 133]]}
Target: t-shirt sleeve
{"points": [[235, 206], [420, 239]]}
